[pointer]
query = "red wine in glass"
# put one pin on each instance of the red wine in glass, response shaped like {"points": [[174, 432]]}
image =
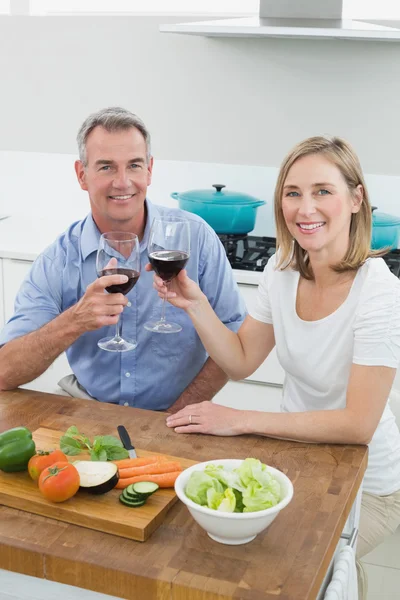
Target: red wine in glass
{"points": [[168, 263], [118, 254], [168, 249], [121, 288]]}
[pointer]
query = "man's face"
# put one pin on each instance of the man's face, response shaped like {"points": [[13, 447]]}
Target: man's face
{"points": [[116, 177]]}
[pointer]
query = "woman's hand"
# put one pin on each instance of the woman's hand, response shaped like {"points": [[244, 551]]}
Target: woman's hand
{"points": [[181, 291], [207, 417]]}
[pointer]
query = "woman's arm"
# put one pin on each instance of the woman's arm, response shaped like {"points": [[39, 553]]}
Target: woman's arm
{"points": [[238, 354], [367, 394]]}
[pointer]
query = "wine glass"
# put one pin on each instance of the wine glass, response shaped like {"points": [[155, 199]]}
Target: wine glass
{"points": [[118, 254], [169, 251]]}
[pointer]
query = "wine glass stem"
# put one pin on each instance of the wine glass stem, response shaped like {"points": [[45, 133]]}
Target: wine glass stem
{"points": [[118, 329], [162, 320]]}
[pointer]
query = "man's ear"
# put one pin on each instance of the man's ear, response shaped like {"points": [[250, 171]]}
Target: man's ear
{"points": [[358, 198], [150, 170], [81, 174]]}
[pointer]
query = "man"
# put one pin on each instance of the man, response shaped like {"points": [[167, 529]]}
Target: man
{"points": [[63, 306]]}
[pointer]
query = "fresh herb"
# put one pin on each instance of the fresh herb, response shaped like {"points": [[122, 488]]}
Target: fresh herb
{"points": [[104, 447]]}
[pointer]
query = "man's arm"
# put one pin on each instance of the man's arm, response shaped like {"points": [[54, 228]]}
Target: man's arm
{"points": [[28, 356], [204, 386]]}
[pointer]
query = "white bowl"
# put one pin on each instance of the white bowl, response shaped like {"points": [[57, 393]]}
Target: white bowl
{"points": [[232, 528]]}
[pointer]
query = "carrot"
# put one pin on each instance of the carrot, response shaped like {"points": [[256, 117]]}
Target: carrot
{"points": [[164, 480], [126, 463], [156, 468]]}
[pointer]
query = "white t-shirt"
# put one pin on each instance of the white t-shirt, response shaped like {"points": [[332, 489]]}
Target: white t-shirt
{"points": [[317, 355]]}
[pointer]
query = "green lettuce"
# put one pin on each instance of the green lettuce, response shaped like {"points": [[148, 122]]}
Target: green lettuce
{"points": [[249, 488], [228, 503], [214, 498], [258, 497], [198, 486], [227, 478]]}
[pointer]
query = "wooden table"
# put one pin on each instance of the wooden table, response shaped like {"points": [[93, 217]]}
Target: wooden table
{"points": [[179, 561]]}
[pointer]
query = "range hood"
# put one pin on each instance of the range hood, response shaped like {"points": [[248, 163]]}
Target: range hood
{"points": [[321, 19]]}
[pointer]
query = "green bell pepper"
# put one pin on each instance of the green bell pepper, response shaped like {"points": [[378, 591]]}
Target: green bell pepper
{"points": [[16, 448]]}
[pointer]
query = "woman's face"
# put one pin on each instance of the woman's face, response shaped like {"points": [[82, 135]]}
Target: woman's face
{"points": [[317, 206]]}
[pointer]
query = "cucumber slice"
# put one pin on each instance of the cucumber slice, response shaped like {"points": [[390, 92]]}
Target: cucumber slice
{"points": [[131, 503], [144, 488], [131, 495], [129, 490]]}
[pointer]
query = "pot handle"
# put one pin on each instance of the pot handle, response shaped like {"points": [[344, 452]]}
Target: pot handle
{"points": [[373, 208], [218, 186], [175, 195]]}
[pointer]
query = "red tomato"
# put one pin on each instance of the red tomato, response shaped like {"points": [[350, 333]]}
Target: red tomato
{"points": [[59, 482], [41, 460]]}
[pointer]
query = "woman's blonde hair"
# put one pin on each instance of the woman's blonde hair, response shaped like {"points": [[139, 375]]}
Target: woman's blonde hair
{"points": [[340, 153]]}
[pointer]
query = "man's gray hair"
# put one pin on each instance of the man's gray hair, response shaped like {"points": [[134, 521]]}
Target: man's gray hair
{"points": [[111, 119]]}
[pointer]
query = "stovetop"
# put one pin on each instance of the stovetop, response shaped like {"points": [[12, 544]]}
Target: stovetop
{"points": [[251, 253]]}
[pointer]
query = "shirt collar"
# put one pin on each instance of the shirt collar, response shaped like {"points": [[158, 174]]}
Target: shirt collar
{"points": [[152, 213], [91, 235]]}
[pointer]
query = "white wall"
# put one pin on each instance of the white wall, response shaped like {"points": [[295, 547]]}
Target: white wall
{"points": [[234, 101], [44, 184], [229, 108]]}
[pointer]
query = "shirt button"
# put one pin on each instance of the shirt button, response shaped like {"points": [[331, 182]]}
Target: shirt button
{"points": [[126, 403], [127, 374], [129, 304]]}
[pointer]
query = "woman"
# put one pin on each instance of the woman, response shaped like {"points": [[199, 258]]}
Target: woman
{"points": [[332, 308]]}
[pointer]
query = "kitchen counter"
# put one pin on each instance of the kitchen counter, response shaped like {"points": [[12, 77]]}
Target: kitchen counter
{"points": [[179, 561]]}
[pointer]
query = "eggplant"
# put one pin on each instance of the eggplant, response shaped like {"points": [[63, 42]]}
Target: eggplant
{"points": [[97, 477]]}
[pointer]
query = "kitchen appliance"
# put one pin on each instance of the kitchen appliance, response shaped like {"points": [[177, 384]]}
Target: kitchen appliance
{"points": [[326, 19], [225, 211], [251, 253], [385, 230]]}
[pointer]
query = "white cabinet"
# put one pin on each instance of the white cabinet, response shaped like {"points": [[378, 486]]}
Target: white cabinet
{"points": [[250, 396], [13, 273], [1, 295], [270, 371]]}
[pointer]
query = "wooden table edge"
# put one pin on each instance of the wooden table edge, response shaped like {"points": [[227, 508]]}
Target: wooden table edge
{"points": [[339, 529]]}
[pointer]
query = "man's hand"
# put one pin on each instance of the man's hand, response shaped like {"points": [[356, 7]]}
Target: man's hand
{"points": [[97, 308], [28, 356]]}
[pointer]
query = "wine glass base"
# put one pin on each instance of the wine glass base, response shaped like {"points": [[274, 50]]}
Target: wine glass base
{"points": [[112, 344], [162, 327]]}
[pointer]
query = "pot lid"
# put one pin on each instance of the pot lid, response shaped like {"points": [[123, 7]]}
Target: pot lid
{"points": [[383, 219], [218, 195]]}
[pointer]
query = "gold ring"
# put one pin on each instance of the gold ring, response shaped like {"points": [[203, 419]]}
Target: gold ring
{"points": [[190, 419]]}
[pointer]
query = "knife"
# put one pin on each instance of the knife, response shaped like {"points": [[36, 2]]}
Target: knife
{"points": [[126, 441]]}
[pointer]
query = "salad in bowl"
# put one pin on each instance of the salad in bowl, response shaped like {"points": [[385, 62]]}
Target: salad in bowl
{"points": [[233, 499]]}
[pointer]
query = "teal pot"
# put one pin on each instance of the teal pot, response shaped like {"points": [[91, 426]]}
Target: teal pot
{"points": [[385, 230], [224, 210]]}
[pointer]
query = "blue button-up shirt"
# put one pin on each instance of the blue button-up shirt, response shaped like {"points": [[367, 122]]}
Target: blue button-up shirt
{"points": [[155, 374]]}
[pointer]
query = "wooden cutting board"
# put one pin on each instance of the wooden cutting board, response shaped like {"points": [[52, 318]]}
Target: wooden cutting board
{"points": [[103, 513]]}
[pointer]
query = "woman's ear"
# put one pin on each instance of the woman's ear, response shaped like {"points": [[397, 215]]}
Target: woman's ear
{"points": [[357, 198]]}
